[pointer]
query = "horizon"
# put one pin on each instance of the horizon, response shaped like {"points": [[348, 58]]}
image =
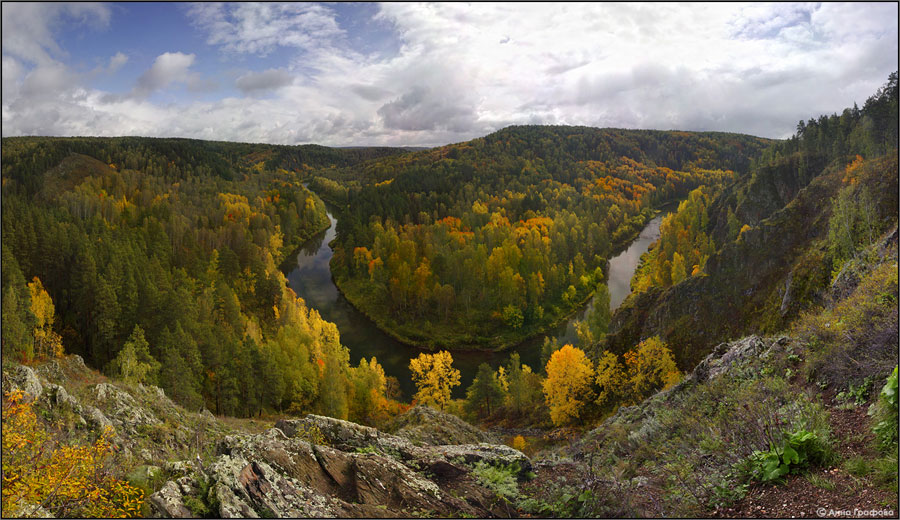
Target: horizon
{"points": [[413, 148], [428, 75]]}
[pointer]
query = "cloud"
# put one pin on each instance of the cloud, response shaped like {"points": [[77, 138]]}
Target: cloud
{"points": [[424, 109], [29, 27], [451, 72], [116, 62], [168, 68], [271, 79], [257, 28]]}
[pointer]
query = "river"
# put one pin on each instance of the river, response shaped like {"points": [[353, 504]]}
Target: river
{"points": [[311, 280]]}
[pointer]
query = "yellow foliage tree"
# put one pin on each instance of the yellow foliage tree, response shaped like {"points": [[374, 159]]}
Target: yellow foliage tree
{"points": [[368, 401], [434, 377], [46, 342], [611, 380], [518, 443], [67, 481], [568, 384], [650, 367]]}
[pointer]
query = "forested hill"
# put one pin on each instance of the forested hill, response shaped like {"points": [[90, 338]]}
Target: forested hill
{"points": [[156, 260], [484, 243], [784, 234]]}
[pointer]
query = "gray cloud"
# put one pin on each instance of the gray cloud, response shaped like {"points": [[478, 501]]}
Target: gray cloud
{"points": [[254, 82], [116, 62], [424, 109]]}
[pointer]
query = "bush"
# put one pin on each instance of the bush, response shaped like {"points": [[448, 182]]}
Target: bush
{"points": [[499, 479], [67, 480], [886, 414], [795, 453], [856, 338]]}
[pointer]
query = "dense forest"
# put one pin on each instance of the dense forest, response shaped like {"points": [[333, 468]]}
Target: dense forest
{"points": [[847, 165], [484, 243], [157, 260]]}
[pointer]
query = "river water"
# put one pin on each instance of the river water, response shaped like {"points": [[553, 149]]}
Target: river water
{"points": [[311, 280]]}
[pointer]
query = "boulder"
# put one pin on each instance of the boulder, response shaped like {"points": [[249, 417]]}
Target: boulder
{"points": [[168, 502], [23, 378], [122, 408]]}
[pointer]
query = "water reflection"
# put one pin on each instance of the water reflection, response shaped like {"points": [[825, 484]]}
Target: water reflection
{"points": [[311, 280]]}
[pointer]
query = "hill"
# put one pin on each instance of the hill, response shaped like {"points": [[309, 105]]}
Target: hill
{"points": [[482, 244]]}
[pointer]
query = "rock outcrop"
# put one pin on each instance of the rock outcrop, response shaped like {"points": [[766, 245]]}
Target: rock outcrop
{"points": [[324, 467], [422, 424]]}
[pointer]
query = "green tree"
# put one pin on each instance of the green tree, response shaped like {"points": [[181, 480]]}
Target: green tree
{"points": [[485, 393], [17, 342], [134, 364]]}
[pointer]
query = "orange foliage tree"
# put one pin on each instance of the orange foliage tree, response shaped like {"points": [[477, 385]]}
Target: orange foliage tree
{"points": [[67, 481]]}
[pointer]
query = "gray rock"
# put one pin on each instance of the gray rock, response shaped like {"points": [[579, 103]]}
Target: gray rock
{"points": [[29, 510], [281, 473], [168, 502], [180, 467], [96, 418], [51, 371], [23, 378], [122, 408]]}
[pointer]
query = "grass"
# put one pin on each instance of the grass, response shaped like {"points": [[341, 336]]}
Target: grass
{"points": [[880, 471], [819, 481]]}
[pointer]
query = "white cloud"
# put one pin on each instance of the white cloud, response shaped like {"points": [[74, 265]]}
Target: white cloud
{"points": [[168, 68], [28, 27], [258, 28], [461, 71]]}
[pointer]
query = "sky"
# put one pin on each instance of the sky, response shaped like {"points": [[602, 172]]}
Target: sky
{"points": [[403, 74]]}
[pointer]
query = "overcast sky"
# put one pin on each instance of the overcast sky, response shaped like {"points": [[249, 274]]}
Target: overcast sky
{"points": [[431, 74]]}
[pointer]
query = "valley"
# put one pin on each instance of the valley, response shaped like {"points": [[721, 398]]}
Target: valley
{"points": [[679, 323]]}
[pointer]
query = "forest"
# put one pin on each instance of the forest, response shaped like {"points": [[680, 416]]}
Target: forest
{"points": [[485, 243], [157, 260]]}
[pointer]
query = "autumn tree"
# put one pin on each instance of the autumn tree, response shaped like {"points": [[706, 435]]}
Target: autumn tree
{"points": [[68, 481], [611, 380], [47, 343], [650, 367], [568, 384], [434, 377], [368, 386]]}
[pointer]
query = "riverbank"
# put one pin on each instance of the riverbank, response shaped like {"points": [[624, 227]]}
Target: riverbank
{"points": [[446, 336]]}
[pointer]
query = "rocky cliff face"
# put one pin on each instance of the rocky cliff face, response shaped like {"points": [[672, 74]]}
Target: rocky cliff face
{"points": [[323, 467], [310, 467]]}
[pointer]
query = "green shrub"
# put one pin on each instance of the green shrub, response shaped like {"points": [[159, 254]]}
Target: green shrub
{"points": [[856, 394], [886, 414], [499, 479], [797, 451]]}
